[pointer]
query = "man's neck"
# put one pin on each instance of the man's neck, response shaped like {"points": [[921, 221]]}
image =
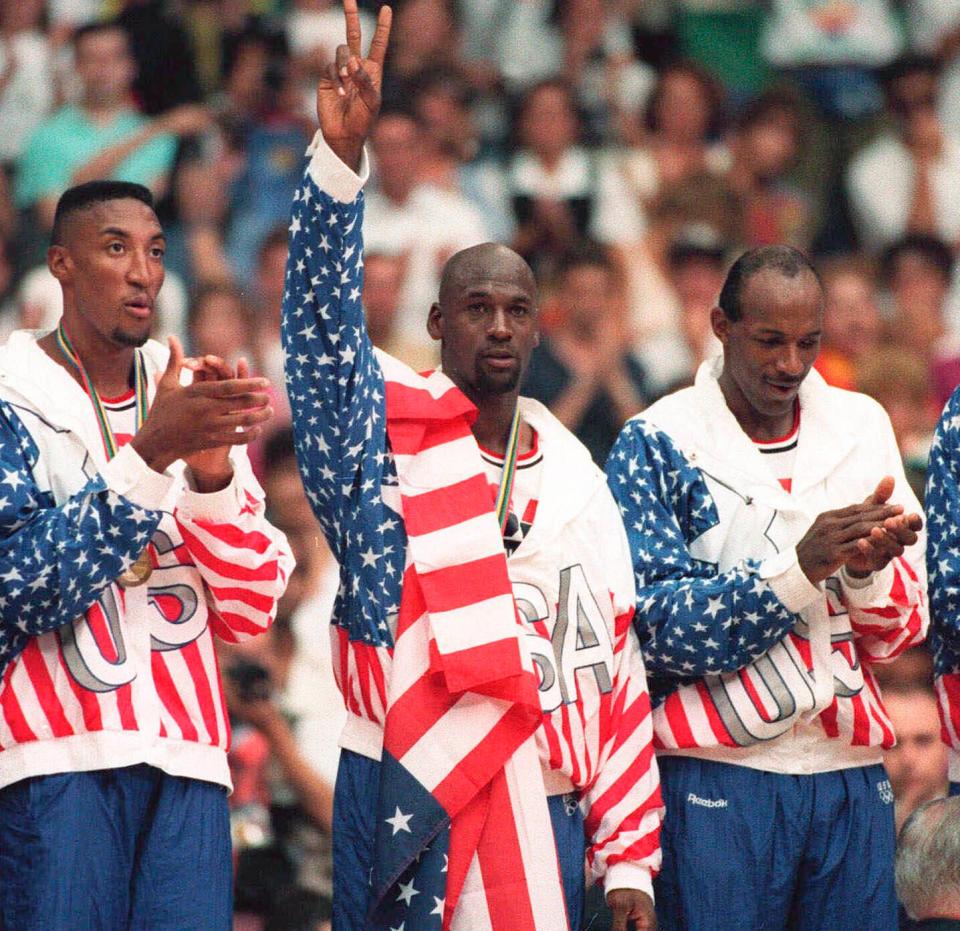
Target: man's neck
{"points": [[756, 425], [110, 368], [492, 426]]}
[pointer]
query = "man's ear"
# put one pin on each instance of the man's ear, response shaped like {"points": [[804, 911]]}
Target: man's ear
{"points": [[720, 323], [59, 263], [435, 322]]}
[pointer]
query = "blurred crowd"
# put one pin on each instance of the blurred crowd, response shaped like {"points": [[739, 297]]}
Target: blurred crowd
{"points": [[629, 149]]}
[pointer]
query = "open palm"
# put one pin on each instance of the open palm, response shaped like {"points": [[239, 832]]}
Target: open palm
{"points": [[348, 96]]}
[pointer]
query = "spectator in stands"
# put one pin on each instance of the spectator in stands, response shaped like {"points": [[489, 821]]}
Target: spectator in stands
{"points": [[166, 68], [918, 270], [562, 193], [382, 286], [928, 875], [852, 326], [917, 765], [26, 76], [584, 370], [934, 29], [764, 149], [405, 216], [219, 323], [696, 268], [898, 378], [679, 138], [103, 135], [904, 182]]}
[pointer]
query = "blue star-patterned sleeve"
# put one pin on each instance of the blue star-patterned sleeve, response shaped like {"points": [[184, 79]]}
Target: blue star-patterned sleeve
{"points": [[942, 506], [56, 560], [334, 381], [691, 619]]}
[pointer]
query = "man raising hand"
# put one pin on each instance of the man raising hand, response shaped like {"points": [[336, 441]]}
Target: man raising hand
{"points": [[476, 541]]}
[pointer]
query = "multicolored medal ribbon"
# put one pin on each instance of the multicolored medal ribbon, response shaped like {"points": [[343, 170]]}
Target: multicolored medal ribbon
{"points": [[140, 571], [509, 472]]}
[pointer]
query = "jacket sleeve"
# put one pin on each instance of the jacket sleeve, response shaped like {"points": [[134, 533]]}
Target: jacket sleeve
{"points": [[693, 620], [623, 808], [333, 378], [56, 559], [244, 560], [888, 611], [942, 506]]}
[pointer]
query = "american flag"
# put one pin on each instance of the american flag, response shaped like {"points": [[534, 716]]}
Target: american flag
{"points": [[463, 704]]}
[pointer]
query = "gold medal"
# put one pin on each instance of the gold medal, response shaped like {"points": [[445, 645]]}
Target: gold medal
{"points": [[137, 573]]}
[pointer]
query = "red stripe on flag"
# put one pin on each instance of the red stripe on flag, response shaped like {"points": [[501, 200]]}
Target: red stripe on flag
{"points": [[170, 698], [128, 717], [753, 694], [262, 572], [501, 865], [719, 729], [951, 686], [88, 701], [455, 587], [247, 596], [617, 791], [677, 719], [46, 693], [828, 718], [483, 669], [480, 765], [201, 682], [12, 712], [861, 723], [236, 537], [448, 505]]}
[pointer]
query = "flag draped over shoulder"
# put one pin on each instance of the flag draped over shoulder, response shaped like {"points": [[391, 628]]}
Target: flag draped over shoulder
{"points": [[459, 747]]}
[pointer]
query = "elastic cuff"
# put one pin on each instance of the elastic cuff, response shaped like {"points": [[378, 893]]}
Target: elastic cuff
{"points": [[863, 593], [789, 582], [331, 175], [628, 876], [128, 475], [218, 507]]}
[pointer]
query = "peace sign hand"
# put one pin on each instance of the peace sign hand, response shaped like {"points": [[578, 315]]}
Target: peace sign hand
{"points": [[348, 96]]}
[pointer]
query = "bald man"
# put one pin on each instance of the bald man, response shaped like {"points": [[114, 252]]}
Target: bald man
{"points": [[498, 719]]}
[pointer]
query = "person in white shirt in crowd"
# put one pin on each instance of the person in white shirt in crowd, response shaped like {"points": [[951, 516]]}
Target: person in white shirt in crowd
{"points": [[905, 180]]}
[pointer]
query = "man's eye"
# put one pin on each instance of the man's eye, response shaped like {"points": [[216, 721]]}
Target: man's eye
{"points": [[519, 311], [116, 247], [157, 252]]}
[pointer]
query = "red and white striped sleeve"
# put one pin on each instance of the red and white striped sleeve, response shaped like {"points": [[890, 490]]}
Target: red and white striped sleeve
{"points": [[888, 611], [244, 560], [623, 806]]}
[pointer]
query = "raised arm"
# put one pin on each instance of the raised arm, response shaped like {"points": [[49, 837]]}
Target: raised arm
{"points": [[333, 380]]}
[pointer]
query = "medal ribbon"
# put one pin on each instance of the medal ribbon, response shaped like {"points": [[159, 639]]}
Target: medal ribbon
{"points": [[140, 386], [509, 471]]}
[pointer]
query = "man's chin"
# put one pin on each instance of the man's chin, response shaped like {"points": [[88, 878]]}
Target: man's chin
{"points": [[488, 385], [134, 340]]}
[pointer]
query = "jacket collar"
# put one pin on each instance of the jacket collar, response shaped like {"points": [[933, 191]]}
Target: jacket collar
{"points": [[42, 385], [823, 440]]}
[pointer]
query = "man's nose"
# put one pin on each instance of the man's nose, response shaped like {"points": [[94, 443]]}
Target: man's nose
{"points": [[790, 362], [499, 326]]}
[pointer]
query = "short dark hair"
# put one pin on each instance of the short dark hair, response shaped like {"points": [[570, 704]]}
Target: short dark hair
{"points": [[934, 251], [83, 196], [786, 260]]}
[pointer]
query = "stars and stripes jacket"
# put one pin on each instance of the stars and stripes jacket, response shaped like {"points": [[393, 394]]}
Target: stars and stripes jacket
{"points": [[942, 505], [94, 675], [748, 661], [571, 575]]}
